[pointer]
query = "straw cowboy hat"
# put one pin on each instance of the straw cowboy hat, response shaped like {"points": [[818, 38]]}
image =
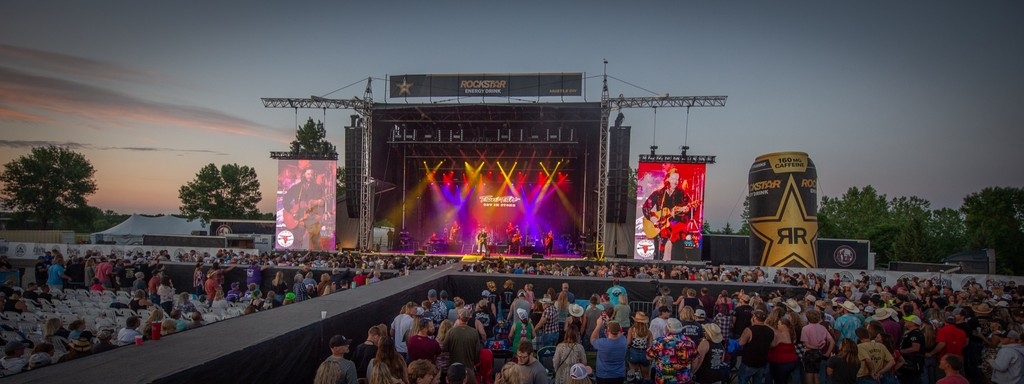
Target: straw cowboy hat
{"points": [[982, 309], [849, 306], [640, 317], [713, 332]]}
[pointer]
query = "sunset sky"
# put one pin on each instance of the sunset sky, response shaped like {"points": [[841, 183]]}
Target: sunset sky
{"points": [[915, 98]]}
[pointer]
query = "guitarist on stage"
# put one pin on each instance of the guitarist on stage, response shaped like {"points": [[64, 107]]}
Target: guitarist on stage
{"points": [[303, 208], [549, 243], [668, 210], [481, 241]]}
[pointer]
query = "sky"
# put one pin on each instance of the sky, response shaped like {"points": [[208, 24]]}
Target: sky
{"points": [[916, 98]]}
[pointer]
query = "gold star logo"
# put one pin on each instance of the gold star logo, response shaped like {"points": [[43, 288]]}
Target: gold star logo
{"points": [[791, 236], [404, 88]]}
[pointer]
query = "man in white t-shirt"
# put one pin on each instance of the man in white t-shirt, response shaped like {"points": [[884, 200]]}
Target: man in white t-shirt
{"points": [[400, 328], [659, 325]]}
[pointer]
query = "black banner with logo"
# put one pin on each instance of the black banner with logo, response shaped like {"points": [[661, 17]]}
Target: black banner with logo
{"points": [[493, 85]]}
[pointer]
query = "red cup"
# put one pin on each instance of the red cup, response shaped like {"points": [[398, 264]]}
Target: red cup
{"points": [[138, 340], [156, 331]]}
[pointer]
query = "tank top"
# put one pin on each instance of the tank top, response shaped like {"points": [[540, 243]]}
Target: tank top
{"points": [[712, 368], [755, 353], [782, 353], [638, 343]]}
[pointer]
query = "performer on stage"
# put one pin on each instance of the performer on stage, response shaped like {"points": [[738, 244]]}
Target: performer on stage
{"points": [[453, 235], [666, 213], [481, 241], [549, 243], [514, 242]]}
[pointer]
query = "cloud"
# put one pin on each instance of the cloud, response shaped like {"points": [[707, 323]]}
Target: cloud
{"points": [[74, 145], [74, 65], [22, 91]]}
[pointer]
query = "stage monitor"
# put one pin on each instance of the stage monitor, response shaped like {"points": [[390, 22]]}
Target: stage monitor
{"points": [[669, 211], [306, 204]]}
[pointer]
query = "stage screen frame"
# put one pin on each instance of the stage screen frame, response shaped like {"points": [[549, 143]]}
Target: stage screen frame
{"points": [[306, 222], [687, 232]]}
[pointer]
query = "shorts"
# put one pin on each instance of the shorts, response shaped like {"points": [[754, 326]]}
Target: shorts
{"points": [[812, 361], [637, 356]]}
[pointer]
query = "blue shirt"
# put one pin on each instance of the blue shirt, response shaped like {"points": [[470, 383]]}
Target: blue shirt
{"points": [[847, 326], [611, 357], [54, 279]]}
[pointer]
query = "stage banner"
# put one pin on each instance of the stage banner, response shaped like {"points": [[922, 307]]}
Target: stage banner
{"points": [[669, 211], [783, 200], [839, 253], [306, 204], [495, 85]]}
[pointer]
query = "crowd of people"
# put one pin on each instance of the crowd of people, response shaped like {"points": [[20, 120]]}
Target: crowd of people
{"points": [[841, 332], [154, 298], [838, 331]]}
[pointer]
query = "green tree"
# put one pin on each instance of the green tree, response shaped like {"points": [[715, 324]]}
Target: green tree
{"points": [[909, 216], [231, 192], [311, 139], [859, 214], [994, 218], [947, 231], [745, 218], [912, 242], [47, 185]]}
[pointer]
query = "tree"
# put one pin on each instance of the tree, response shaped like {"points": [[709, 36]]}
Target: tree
{"points": [[745, 218], [909, 216], [311, 139], [49, 184], [994, 218], [859, 214], [231, 192], [947, 231]]}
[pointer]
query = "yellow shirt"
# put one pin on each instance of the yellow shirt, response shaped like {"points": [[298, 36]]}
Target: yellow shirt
{"points": [[876, 355]]}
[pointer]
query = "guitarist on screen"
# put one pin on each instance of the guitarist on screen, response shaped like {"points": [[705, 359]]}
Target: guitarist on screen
{"points": [[668, 210], [303, 208]]}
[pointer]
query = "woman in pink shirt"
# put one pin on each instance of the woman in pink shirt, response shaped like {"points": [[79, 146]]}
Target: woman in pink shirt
{"points": [[818, 345]]}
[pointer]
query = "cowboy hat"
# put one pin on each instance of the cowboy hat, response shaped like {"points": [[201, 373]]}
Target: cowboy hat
{"points": [[575, 310], [849, 306], [982, 309], [674, 326], [881, 314], [641, 317], [793, 305], [713, 332]]}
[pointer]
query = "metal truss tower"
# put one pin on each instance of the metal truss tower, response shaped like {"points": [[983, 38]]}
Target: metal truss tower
{"points": [[364, 107], [609, 104]]}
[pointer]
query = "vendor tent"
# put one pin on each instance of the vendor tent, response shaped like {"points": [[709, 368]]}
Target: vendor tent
{"points": [[130, 231]]}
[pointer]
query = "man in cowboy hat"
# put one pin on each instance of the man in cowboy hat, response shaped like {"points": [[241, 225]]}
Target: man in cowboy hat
{"points": [[710, 363], [887, 317], [848, 322], [547, 327]]}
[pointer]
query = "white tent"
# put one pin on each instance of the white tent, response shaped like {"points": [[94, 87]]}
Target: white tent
{"points": [[130, 231]]}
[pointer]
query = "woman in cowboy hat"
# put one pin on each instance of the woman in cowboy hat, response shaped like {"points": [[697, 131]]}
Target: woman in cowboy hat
{"points": [[639, 338]]}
